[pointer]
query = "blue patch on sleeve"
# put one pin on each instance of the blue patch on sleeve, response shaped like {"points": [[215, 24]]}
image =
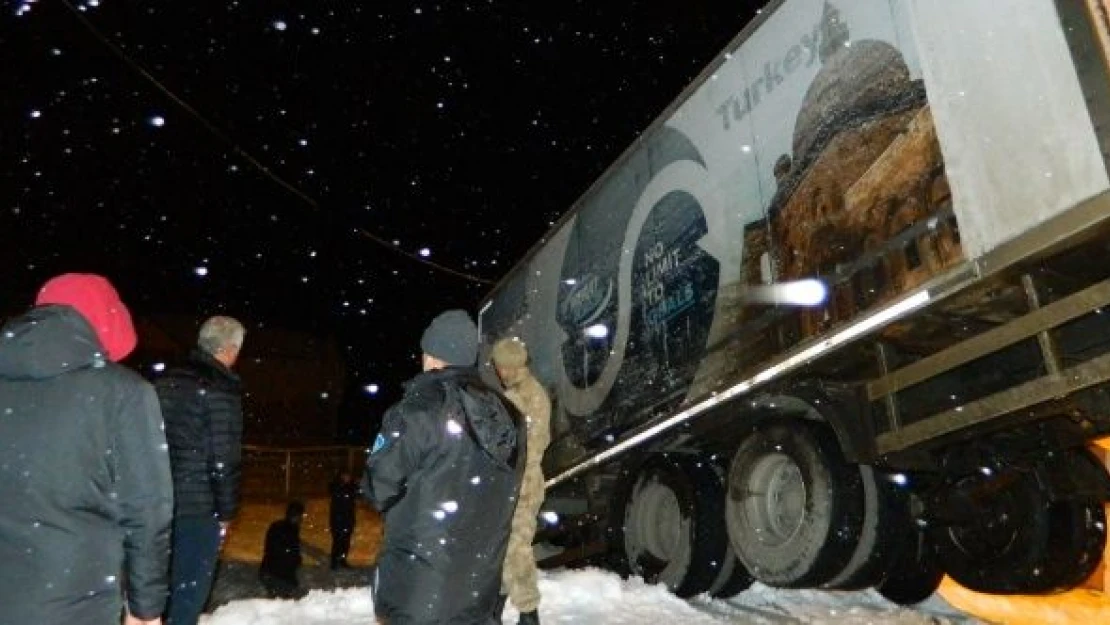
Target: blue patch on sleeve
{"points": [[379, 444]]}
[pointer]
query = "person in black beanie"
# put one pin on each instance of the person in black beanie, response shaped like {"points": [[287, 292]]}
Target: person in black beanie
{"points": [[444, 472]]}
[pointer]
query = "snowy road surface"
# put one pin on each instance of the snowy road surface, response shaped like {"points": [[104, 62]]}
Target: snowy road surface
{"points": [[600, 598]]}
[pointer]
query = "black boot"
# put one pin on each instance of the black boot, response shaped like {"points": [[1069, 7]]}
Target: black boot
{"points": [[529, 618]]}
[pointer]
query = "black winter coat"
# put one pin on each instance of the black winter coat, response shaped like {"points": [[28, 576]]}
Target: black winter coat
{"points": [[84, 478], [341, 513], [202, 407], [444, 471]]}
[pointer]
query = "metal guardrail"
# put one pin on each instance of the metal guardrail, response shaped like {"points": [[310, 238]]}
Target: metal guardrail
{"points": [[296, 472]]}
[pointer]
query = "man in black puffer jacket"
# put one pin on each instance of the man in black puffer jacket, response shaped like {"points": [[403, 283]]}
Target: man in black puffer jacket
{"points": [[444, 472], [84, 474], [202, 406]]}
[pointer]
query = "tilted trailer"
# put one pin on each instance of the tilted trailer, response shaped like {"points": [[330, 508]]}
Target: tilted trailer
{"points": [[838, 318]]}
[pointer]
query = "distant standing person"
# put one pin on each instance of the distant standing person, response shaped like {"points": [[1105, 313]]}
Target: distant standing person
{"points": [[520, 578], [281, 555], [341, 517], [202, 406], [84, 473], [444, 472]]}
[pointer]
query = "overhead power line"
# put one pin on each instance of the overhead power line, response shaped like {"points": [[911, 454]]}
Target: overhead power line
{"points": [[247, 156]]}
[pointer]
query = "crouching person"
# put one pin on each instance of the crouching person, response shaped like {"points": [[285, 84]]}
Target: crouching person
{"points": [[444, 472], [282, 555]]}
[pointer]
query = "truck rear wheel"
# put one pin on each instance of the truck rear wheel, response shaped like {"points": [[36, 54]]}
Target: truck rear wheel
{"points": [[1023, 543], [733, 577], [886, 518], [915, 574], [1003, 546], [1078, 530], [1019, 540], [673, 525], [794, 510]]}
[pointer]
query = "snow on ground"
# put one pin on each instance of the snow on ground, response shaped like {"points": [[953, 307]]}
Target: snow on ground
{"points": [[597, 597]]}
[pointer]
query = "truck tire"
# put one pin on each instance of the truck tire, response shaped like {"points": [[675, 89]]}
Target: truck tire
{"points": [[732, 579], [1022, 542], [1078, 534], [672, 529], [1078, 530], [886, 522], [795, 507], [915, 574], [1004, 547]]}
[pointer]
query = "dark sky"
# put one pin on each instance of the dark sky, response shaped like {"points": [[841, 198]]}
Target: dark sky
{"points": [[459, 130]]}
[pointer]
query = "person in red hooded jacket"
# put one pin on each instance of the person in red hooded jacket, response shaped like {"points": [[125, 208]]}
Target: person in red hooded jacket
{"points": [[84, 468]]}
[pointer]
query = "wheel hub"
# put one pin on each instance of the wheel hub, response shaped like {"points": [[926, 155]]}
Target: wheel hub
{"points": [[655, 519], [775, 505]]}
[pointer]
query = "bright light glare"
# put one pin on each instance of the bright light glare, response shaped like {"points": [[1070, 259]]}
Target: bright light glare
{"points": [[597, 331], [807, 292]]}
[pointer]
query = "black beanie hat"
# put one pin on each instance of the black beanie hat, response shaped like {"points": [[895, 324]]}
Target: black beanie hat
{"points": [[453, 338]]}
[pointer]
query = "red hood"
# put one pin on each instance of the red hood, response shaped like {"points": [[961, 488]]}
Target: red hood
{"points": [[99, 303]]}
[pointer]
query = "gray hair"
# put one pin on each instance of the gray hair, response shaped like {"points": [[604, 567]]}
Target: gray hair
{"points": [[220, 331]]}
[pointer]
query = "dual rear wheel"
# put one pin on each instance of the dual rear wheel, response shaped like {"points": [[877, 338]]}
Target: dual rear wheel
{"points": [[1022, 541], [672, 528], [796, 514]]}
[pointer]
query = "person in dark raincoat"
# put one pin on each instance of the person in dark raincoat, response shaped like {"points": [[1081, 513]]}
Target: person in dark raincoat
{"points": [[84, 471], [341, 517], [445, 472]]}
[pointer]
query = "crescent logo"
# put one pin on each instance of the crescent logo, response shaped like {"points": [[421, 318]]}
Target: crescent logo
{"points": [[594, 298]]}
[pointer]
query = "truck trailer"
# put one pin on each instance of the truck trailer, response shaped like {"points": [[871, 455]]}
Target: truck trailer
{"points": [[839, 317]]}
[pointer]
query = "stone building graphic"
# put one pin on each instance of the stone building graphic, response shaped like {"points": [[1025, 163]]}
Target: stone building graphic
{"points": [[862, 201]]}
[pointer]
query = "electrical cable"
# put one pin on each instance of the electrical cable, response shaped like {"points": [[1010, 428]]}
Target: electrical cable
{"points": [[247, 156]]}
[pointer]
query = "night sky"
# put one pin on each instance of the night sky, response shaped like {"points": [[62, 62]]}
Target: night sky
{"points": [[455, 132]]}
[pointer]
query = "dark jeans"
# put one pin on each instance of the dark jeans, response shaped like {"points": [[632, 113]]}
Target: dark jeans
{"points": [[196, 550], [340, 545]]}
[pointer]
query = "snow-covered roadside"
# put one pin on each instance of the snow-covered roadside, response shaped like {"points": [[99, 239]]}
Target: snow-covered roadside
{"points": [[597, 597]]}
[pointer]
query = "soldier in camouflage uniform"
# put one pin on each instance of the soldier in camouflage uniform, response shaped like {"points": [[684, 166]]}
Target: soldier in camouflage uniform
{"points": [[519, 577]]}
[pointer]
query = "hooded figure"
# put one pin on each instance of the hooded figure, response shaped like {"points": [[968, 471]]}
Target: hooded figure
{"points": [[444, 472], [84, 472]]}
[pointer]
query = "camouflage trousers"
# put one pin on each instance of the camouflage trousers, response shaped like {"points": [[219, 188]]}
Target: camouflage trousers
{"points": [[519, 577]]}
